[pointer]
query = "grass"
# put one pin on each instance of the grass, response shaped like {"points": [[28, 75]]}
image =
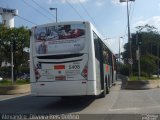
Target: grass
{"points": [[18, 82], [135, 78]]}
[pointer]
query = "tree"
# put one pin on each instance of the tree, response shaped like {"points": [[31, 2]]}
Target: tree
{"points": [[148, 39], [148, 64], [19, 38], [147, 28]]}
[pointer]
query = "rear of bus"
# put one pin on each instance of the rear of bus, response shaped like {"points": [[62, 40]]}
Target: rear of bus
{"points": [[60, 59]]}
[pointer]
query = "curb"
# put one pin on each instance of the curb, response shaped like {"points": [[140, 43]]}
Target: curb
{"points": [[14, 89], [139, 84], [143, 84]]}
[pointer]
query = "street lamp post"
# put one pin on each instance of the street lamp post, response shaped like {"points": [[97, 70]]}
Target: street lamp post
{"points": [[120, 49], [56, 12], [129, 40]]}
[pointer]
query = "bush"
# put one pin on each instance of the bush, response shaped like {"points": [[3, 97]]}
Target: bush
{"points": [[148, 64], [23, 70], [5, 82], [143, 74], [124, 70], [5, 72], [18, 82]]}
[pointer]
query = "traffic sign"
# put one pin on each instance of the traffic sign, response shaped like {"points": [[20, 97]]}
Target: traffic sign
{"points": [[130, 60]]}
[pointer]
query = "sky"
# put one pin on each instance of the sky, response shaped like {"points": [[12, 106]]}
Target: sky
{"points": [[108, 16]]}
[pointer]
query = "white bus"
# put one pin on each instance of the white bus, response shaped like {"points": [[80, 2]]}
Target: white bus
{"points": [[70, 59]]}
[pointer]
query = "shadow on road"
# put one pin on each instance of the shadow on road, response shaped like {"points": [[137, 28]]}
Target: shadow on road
{"points": [[44, 105], [69, 105]]}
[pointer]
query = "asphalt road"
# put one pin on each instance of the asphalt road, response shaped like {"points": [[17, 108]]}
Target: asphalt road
{"points": [[118, 102]]}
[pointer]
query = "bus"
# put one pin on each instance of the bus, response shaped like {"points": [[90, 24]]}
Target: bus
{"points": [[70, 59]]}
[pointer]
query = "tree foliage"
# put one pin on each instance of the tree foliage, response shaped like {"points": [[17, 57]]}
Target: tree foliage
{"points": [[150, 39], [148, 64], [19, 38]]}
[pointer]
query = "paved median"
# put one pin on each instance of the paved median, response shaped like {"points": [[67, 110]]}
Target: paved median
{"points": [[143, 84], [14, 89], [138, 84]]}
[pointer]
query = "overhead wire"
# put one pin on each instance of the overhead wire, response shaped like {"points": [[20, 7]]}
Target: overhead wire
{"points": [[36, 10], [130, 15], [81, 4], [26, 20], [41, 7], [74, 9], [44, 9]]}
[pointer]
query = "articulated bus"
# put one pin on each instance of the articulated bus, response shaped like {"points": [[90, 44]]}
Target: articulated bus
{"points": [[70, 59]]}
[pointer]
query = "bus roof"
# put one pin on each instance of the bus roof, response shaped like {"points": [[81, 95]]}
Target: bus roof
{"points": [[103, 39], [61, 23], [77, 22]]}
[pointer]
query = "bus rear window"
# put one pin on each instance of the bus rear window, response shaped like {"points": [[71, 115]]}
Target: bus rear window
{"points": [[63, 56]]}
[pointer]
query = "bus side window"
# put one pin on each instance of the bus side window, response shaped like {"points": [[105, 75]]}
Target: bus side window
{"points": [[110, 58], [97, 46], [105, 55]]}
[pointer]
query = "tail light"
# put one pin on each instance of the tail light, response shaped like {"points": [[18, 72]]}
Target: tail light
{"points": [[85, 72], [37, 74]]}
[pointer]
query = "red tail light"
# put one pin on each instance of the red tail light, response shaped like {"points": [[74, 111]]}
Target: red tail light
{"points": [[37, 74], [85, 72]]}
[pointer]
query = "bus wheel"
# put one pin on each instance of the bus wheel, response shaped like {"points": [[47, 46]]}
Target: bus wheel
{"points": [[103, 94], [107, 89], [66, 97], [107, 86]]}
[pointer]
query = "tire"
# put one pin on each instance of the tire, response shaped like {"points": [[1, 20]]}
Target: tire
{"points": [[107, 86], [107, 89], [66, 97], [103, 94]]}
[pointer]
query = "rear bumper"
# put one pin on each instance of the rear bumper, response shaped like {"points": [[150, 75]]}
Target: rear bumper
{"points": [[62, 88]]}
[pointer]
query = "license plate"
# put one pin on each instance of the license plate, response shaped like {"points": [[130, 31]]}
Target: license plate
{"points": [[60, 77]]}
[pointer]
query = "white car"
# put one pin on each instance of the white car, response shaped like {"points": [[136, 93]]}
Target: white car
{"points": [[1, 78]]}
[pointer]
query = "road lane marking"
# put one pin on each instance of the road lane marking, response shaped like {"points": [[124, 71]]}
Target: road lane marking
{"points": [[124, 109], [134, 108]]}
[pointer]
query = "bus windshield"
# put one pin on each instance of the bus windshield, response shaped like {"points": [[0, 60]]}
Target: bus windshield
{"points": [[59, 39]]}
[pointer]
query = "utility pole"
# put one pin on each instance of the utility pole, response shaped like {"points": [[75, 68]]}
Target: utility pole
{"points": [[139, 64], [158, 59], [120, 49], [119, 65], [12, 62], [138, 42], [130, 60], [130, 46]]}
